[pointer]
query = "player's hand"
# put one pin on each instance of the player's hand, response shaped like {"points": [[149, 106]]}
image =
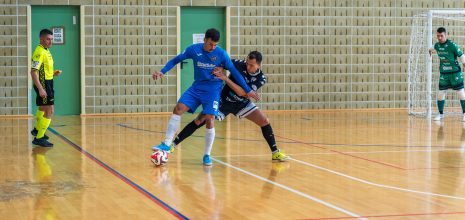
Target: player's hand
{"points": [[42, 93], [254, 95], [156, 75], [218, 72], [431, 50], [56, 72]]}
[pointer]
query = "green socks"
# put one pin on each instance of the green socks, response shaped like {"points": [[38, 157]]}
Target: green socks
{"points": [[441, 106]]}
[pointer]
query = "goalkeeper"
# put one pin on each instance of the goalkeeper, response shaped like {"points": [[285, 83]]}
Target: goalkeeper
{"points": [[450, 76]]}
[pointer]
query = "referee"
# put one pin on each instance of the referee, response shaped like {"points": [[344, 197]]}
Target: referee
{"points": [[42, 73]]}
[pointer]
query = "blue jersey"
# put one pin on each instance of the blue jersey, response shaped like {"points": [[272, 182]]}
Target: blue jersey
{"points": [[204, 63]]}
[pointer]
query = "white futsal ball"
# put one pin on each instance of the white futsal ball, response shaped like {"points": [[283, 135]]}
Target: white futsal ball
{"points": [[159, 157]]}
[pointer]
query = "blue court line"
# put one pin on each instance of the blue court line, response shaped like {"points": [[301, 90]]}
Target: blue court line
{"points": [[143, 191]]}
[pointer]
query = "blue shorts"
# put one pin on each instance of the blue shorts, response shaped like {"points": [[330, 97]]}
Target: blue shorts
{"points": [[194, 97]]}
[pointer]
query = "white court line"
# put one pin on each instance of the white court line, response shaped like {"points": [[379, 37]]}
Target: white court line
{"points": [[290, 189], [377, 184], [348, 152]]}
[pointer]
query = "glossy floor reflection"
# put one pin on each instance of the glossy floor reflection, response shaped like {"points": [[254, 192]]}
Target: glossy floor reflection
{"points": [[346, 164]]}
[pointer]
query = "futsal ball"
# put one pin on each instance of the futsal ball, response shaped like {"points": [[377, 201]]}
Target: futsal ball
{"points": [[159, 157]]}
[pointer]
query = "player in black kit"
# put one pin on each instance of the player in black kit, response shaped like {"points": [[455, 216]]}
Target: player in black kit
{"points": [[234, 101]]}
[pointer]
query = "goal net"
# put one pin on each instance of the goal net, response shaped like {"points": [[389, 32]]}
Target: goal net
{"points": [[423, 69]]}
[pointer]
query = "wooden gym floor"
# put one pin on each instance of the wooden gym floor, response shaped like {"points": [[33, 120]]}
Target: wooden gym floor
{"points": [[346, 165]]}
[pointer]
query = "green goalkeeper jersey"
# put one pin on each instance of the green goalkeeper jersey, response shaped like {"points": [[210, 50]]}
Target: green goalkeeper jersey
{"points": [[448, 53]]}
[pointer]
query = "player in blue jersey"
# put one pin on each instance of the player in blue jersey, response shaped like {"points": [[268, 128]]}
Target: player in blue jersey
{"points": [[232, 101], [205, 90]]}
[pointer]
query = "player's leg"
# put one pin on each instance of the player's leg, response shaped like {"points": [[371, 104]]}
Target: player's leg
{"points": [[209, 138], [441, 102], [210, 104], [461, 94], [173, 126], [458, 87], [444, 84], [198, 122], [189, 101], [39, 114], [46, 105], [188, 130], [261, 120], [42, 127]]}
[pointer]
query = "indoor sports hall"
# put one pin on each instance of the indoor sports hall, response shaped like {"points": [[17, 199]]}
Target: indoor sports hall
{"points": [[352, 94]]}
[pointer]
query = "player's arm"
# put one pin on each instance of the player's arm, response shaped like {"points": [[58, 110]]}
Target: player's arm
{"points": [[239, 79], [173, 62], [37, 61], [35, 79], [431, 51], [237, 76], [462, 60], [218, 72], [56, 72], [459, 54]]}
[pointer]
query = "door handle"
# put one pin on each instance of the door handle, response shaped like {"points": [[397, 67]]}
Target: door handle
{"points": [[182, 63]]}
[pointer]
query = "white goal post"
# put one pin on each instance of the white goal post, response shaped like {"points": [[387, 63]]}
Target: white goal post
{"points": [[422, 80]]}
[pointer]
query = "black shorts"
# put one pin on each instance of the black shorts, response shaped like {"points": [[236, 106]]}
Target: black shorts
{"points": [[49, 100], [241, 110]]}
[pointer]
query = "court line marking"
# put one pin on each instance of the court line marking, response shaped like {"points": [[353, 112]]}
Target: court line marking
{"points": [[120, 176], [290, 189], [356, 152], [376, 184], [331, 151], [391, 215], [346, 154], [296, 142], [328, 170]]}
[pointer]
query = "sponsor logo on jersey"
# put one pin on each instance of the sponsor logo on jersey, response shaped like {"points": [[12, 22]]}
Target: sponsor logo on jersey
{"points": [[205, 65]]}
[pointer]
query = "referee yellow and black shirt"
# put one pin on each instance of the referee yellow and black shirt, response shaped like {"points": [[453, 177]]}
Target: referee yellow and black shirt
{"points": [[42, 61]]}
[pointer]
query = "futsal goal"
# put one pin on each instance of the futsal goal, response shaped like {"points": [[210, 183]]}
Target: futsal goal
{"points": [[423, 69]]}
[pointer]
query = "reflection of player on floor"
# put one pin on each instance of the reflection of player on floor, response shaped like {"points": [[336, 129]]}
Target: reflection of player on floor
{"points": [[44, 203], [205, 90], [233, 101], [450, 74]]}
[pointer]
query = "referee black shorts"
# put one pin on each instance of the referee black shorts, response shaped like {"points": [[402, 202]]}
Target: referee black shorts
{"points": [[49, 100]]}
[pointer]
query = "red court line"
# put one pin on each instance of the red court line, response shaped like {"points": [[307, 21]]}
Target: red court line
{"points": [[342, 153], [392, 215]]}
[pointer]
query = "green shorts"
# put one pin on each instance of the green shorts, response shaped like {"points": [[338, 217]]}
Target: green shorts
{"points": [[451, 81]]}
